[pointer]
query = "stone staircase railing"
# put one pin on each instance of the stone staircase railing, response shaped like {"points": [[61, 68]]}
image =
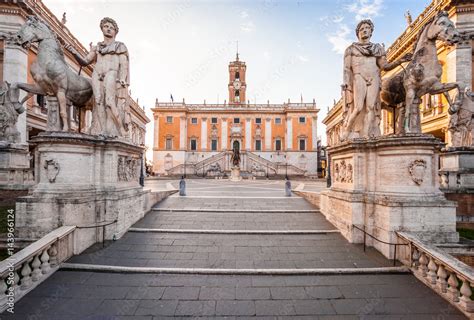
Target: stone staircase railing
{"points": [[449, 277], [199, 166], [23, 271]]}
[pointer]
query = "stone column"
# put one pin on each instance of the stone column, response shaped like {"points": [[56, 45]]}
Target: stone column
{"points": [[204, 134], [314, 133], [183, 133], [289, 133], [156, 134], [15, 69], [248, 134], [224, 134], [460, 64]]}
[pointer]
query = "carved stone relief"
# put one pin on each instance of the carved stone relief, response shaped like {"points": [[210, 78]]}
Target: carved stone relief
{"points": [[128, 168], [417, 170], [52, 169], [343, 171]]}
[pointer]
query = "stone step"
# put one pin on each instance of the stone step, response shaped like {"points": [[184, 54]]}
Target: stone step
{"points": [[232, 251]]}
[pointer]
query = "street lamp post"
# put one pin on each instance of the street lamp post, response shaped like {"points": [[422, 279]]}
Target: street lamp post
{"points": [[142, 175], [286, 168]]}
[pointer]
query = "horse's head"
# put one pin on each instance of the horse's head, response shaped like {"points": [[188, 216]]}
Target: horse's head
{"points": [[33, 30], [443, 29]]}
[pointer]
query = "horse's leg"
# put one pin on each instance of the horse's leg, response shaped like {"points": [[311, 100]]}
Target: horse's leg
{"points": [[61, 96], [31, 90], [413, 125], [444, 88]]}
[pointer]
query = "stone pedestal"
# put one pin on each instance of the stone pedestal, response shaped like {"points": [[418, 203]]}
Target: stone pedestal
{"points": [[84, 181], [235, 174], [385, 185], [15, 172], [457, 180]]}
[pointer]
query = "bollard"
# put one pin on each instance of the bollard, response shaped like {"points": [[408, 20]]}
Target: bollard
{"points": [[288, 188], [182, 187]]}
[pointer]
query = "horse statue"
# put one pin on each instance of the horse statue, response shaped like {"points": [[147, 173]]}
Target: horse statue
{"points": [[52, 75], [9, 111], [422, 75]]}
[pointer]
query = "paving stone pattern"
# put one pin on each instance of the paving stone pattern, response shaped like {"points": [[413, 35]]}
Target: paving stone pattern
{"points": [[101, 295]]}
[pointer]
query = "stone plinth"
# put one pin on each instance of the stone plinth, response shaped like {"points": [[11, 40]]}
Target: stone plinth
{"points": [[457, 180], [388, 184], [235, 174], [83, 181], [15, 172]]}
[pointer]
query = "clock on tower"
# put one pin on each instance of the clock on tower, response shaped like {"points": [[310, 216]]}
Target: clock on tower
{"points": [[237, 85]]}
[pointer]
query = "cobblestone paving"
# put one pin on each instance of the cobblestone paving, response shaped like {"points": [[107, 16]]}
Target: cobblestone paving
{"points": [[88, 295], [101, 295]]}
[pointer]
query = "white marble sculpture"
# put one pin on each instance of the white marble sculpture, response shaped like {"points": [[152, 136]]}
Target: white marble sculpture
{"points": [[461, 125], [110, 81], [9, 111], [363, 61]]}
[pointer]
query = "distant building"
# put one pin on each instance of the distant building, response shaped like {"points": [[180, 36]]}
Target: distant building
{"points": [[456, 61], [15, 63], [274, 139]]}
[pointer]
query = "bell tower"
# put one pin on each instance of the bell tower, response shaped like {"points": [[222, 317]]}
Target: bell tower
{"points": [[237, 85]]}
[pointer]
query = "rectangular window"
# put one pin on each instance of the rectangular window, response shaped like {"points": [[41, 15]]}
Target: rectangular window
{"points": [[258, 120], [302, 144], [258, 145], [194, 120], [169, 143], [193, 145], [302, 119], [278, 145], [277, 120], [236, 120], [213, 120], [213, 145], [169, 119]]}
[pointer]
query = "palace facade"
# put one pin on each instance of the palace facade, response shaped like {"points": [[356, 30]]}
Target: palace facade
{"points": [[273, 139], [456, 61], [15, 63]]}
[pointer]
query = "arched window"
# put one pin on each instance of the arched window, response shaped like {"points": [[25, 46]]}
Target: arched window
{"points": [[237, 75]]}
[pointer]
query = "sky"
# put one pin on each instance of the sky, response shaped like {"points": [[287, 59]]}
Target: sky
{"points": [[292, 49]]}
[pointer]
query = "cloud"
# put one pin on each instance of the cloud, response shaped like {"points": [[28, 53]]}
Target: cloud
{"points": [[340, 39], [302, 58], [244, 14], [365, 8], [247, 26]]}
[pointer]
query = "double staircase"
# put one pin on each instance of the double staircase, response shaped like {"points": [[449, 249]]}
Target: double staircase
{"points": [[251, 164]]}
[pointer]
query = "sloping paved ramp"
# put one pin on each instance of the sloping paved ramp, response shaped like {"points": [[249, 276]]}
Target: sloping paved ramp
{"points": [[232, 230]]}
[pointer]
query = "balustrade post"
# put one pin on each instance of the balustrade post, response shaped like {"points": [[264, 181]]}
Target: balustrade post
{"points": [[415, 258], [466, 303], [432, 267], [45, 267], [16, 280], [36, 273], [442, 275], [53, 255], [453, 291], [26, 275], [423, 264], [3, 292]]}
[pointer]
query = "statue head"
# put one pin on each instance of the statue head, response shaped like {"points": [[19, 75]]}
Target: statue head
{"points": [[109, 27], [443, 29], [364, 29]]}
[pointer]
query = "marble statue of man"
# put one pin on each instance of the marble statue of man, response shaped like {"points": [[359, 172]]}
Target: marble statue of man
{"points": [[363, 61], [110, 81]]}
